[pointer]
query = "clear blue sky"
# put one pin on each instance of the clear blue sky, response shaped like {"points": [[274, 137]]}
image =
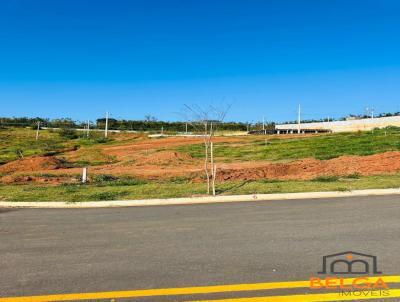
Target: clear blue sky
{"points": [[70, 58]]}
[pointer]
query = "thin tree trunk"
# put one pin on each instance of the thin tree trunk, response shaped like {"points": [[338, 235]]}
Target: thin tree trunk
{"points": [[212, 168], [206, 142], [206, 169], [214, 176]]}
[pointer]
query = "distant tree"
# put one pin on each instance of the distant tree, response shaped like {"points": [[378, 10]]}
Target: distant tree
{"points": [[150, 118]]}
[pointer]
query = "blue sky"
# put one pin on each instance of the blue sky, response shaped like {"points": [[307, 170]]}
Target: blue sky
{"points": [[78, 59]]}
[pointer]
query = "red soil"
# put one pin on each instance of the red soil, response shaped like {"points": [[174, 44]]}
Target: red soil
{"points": [[56, 180], [32, 164], [123, 152], [388, 162], [143, 159], [166, 158]]}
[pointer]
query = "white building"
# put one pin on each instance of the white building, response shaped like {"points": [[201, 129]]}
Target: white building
{"points": [[343, 126]]}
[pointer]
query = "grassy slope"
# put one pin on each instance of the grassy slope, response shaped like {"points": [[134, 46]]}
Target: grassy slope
{"points": [[319, 147], [16, 140], [141, 190]]}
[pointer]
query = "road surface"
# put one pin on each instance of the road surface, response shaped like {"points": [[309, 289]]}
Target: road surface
{"points": [[64, 251]]}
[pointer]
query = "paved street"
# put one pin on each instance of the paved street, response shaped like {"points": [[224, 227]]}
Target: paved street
{"points": [[49, 251]]}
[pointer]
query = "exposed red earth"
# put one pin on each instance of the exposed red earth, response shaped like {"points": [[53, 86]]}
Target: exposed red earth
{"points": [[168, 164]]}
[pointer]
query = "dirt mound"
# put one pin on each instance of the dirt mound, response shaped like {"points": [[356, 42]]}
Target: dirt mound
{"points": [[166, 158], [23, 179], [34, 163], [388, 162], [126, 151]]}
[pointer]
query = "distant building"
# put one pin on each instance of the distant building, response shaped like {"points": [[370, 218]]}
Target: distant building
{"points": [[349, 125], [352, 118]]}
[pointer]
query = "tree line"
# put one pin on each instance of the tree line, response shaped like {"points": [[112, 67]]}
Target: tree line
{"points": [[115, 124]]}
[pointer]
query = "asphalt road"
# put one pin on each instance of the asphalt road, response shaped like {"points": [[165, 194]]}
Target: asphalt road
{"points": [[54, 251]]}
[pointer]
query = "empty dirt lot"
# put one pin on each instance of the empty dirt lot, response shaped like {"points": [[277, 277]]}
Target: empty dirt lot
{"points": [[141, 157]]}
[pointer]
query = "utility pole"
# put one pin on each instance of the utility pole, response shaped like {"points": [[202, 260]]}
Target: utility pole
{"points": [[88, 129], [370, 111], [298, 120], [186, 127], [263, 125], [106, 128], [37, 130]]}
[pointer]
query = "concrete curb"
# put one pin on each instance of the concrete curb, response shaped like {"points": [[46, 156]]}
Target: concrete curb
{"points": [[197, 200]]}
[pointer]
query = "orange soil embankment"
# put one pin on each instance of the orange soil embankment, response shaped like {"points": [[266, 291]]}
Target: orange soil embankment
{"points": [[32, 164], [156, 165], [388, 162], [153, 164], [166, 158]]}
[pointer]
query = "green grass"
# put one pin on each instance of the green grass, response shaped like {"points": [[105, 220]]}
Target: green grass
{"points": [[109, 187], [326, 178], [132, 189], [16, 141], [319, 147]]}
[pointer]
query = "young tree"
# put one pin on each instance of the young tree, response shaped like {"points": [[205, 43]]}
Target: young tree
{"points": [[207, 119]]}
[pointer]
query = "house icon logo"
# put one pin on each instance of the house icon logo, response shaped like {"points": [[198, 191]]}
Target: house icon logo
{"points": [[349, 263]]}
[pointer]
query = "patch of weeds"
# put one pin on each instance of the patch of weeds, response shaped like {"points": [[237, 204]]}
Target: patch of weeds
{"points": [[127, 181], [93, 140], [326, 178], [37, 188], [353, 176], [108, 195], [101, 180], [102, 140], [71, 188], [45, 175], [180, 180], [68, 133], [75, 199], [53, 150]]}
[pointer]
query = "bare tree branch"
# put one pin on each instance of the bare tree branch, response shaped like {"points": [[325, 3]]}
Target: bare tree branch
{"points": [[209, 118]]}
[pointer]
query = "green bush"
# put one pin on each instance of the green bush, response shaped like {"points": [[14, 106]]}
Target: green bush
{"points": [[68, 133], [102, 140]]}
